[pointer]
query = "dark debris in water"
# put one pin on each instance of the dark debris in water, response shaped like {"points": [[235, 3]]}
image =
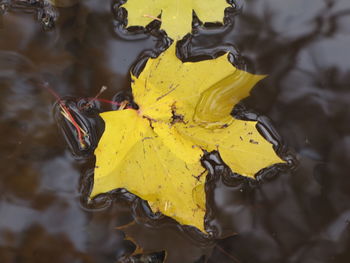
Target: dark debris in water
{"points": [[156, 257], [45, 13]]}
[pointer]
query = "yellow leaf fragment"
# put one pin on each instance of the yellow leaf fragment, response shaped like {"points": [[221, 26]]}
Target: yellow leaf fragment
{"points": [[216, 103], [240, 145], [176, 15], [184, 108], [204, 92]]}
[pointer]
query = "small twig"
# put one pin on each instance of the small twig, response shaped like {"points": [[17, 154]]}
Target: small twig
{"points": [[103, 89], [66, 113], [153, 17], [108, 101], [123, 105]]}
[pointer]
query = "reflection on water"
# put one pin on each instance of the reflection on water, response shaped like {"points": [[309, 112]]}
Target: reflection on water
{"points": [[299, 216]]}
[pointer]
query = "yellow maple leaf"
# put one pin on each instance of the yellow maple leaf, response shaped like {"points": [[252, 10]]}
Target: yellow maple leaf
{"points": [[154, 152], [176, 15]]}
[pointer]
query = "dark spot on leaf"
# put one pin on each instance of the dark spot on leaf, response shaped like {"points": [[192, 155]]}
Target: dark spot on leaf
{"points": [[254, 142], [198, 177], [176, 118]]}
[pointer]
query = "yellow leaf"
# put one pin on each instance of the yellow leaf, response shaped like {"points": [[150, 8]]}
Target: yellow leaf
{"points": [[132, 155], [240, 145], [216, 103], [204, 92], [176, 15], [155, 152]]}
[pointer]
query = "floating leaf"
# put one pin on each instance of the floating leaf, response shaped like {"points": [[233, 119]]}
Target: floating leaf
{"points": [[132, 155], [176, 16], [155, 151]]}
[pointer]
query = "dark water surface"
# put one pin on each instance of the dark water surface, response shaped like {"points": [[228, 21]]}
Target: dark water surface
{"points": [[301, 215]]}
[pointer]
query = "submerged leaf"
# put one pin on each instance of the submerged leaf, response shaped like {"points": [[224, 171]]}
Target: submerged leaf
{"points": [[155, 151], [176, 16], [168, 239]]}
